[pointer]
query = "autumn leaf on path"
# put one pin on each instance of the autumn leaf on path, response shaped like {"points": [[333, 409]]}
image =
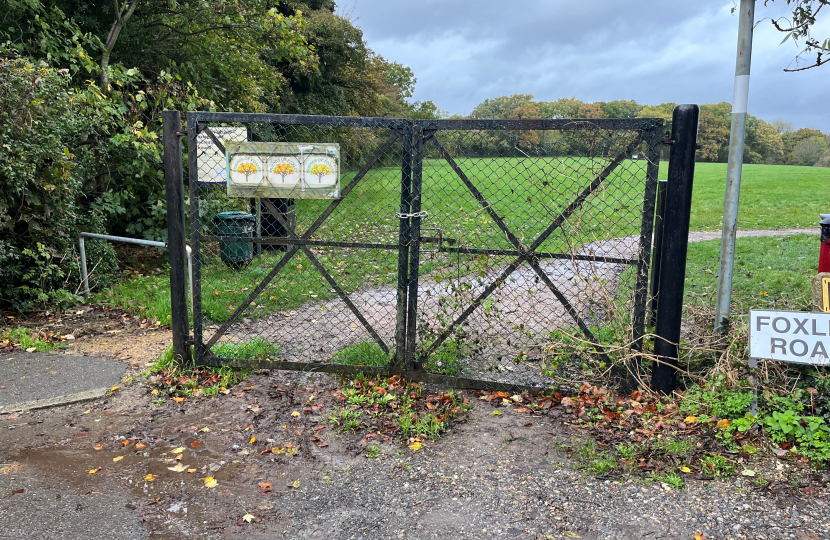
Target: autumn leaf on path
{"points": [[97, 447], [149, 477], [253, 439], [724, 423], [295, 484], [210, 482], [195, 444], [180, 467], [178, 450], [93, 471], [265, 487], [690, 419], [140, 446], [568, 402], [497, 412], [295, 414], [178, 399], [685, 470], [118, 458], [248, 517], [415, 446]]}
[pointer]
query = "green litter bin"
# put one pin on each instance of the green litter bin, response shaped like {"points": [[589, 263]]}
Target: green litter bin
{"points": [[235, 253]]}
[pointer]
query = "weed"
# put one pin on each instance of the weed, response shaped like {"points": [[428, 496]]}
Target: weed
{"points": [[257, 348], [183, 378], [671, 447], [367, 353], [373, 452], [594, 460], [673, 480], [346, 419], [27, 339], [716, 465]]}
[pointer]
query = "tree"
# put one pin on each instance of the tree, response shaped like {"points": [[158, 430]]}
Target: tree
{"points": [[765, 142], [247, 168], [501, 107], [791, 140], [283, 170], [621, 108], [809, 151], [525, 138], [783, 126], [319, 171], [799, 26], [713, 134]]}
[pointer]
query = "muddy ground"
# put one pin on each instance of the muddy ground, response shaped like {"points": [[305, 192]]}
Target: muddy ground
{"points": [[510, 475]]}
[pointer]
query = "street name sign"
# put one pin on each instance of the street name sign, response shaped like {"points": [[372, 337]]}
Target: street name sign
{"points": [[789, 336]]}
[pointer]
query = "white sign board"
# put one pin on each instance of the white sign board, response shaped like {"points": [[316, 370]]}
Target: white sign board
{"points": [[286, 170], [210, 160], [790, 336]]}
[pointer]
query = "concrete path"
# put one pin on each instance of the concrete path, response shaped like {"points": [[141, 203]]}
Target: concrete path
{"points": [[38, 380]]}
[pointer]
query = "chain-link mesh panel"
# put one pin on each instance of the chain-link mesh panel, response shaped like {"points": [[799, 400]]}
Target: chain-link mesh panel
{"points": [[294, 279], [535, 246]]}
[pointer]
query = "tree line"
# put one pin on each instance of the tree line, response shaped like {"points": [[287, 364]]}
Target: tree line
{"points": [[773, 143]]}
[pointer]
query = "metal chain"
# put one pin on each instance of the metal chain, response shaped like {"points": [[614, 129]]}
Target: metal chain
{"points": [[421, 214]]}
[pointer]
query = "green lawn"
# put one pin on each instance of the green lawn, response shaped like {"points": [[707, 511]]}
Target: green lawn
{"points": [[770, 272], [526, 193], [772, 196]]}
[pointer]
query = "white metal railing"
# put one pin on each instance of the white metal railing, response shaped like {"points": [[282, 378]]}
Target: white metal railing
{"points": [[126, 240]]}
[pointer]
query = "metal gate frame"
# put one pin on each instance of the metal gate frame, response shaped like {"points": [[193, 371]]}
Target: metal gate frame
{"points": [[414, 135]]}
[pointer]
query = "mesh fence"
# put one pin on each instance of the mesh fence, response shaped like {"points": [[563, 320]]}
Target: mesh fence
{"points": [[540, 248], [472, 249], [291, 278]]}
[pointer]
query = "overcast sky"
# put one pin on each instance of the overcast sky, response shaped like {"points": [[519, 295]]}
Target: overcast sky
{"points": [[651, 51]]}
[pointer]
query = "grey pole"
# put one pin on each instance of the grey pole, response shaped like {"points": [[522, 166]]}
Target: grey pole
{"points": [[746, 21]]}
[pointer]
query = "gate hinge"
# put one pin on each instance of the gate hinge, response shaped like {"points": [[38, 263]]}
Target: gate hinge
{"points": [[190, 342], [181, 133]]}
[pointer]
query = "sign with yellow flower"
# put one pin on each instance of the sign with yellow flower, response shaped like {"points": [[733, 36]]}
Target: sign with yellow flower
{"points": [[283, 170]]}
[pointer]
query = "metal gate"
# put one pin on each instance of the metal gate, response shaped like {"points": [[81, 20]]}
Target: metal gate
{"points": [[464, 252]]}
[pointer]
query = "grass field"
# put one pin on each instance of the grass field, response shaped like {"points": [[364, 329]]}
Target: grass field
{"points": [[525, 193], [772, 196], [770, 272]]}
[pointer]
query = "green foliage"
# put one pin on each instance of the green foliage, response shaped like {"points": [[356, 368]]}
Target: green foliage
{"points": [[26, 338], [256, 348], [367, 353]]}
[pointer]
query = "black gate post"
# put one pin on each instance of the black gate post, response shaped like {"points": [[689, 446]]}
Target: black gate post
{"points": [[403, 251], [657, 250], [417, 153], [675, 243], [172, 126]]}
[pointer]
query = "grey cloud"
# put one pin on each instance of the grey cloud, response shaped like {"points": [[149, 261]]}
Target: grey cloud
{"points": [[652, 51]]}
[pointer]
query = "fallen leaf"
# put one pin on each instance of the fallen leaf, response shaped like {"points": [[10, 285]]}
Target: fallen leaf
{"points": [[179, 457], [295, 414], [31, 349], [685, 470], [724, 423], [497, 412], [253, 439], [189, 471], [690, 419], [567, 402], [264, 485], [747, 472], [140, 446], [127, 442], [195, 444], [248, 517], [149, 477], [115, 389], [415, 446], [210, 482], [178, 399], [180, 467], [93, 471], [178, 450], [155, 391], [295, 484], [97, 447], [118, 458], [204, 430]]}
